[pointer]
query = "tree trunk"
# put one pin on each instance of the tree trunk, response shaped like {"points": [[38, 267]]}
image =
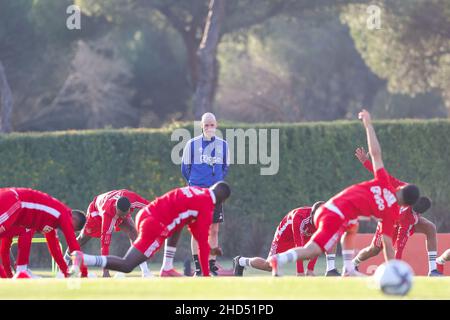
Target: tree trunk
{"points": [[207, 63], [6, 102], [191, 48]]}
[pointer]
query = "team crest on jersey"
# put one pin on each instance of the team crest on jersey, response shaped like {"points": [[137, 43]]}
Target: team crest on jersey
{"points": [[210, 160], [304, 227], [47, 229]]}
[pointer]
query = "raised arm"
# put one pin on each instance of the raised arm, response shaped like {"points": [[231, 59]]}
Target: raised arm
{"points": [[372, 140], [363, 157], [54, 248], [298, 241]]}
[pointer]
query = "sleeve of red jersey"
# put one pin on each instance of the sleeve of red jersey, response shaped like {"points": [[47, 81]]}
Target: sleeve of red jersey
{"points": [[368, 165], [6, 261], [137, 202], [200, 231], [24, 247], [65, 223], [56, 252], [107, 227], [298, 239]]}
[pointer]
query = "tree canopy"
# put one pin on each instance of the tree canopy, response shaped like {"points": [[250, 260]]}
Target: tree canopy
{"points": [[276, 60]]}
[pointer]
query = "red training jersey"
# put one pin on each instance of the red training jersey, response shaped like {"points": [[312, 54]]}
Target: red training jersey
{"points": [[102, 219], [43, 213], [294, 230], [191, 206], [374, 198]]}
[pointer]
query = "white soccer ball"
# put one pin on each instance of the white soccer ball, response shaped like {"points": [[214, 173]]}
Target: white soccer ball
{"points": [[394, 277]]}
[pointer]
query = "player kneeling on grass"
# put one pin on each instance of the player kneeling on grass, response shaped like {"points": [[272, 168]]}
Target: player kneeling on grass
{"points": [[375, 198], [32, 209], [25, 238], [191, 206], [409, 222], [109, 212], [294, 230]]}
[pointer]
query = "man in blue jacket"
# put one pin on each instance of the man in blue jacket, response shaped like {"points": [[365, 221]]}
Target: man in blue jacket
{"points": [[205, 162]]}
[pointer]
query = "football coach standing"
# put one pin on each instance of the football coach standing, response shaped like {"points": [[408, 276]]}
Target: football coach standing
{"points": [[205, 161]]}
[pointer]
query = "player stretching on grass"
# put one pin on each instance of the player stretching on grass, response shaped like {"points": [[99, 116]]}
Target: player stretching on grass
{"points": [[375, 198], [294, 230], [191, 206], [23, 251], [109, 212], [32, 209], [410, 221]]}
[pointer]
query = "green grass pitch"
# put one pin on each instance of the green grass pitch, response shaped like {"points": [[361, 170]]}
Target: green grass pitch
{"points": [[214, 288], [254, 285]]}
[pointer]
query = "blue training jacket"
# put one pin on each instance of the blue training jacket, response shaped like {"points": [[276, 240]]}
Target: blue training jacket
{"points": [[205, 162]]}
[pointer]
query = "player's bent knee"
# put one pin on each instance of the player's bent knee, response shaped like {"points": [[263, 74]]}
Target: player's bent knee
{"points": [[432, 228], [312, 250]]}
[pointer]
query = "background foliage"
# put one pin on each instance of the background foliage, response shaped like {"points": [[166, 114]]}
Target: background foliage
{"points": [[316, 161]]}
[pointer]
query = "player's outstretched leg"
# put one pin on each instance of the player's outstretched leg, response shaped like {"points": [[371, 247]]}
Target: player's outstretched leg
{"points": [[308, 252], [331, 264], [428, 228], [167, 269], [240, 263], [364, 254], [440, 261], [348, 245], [132, 259]]}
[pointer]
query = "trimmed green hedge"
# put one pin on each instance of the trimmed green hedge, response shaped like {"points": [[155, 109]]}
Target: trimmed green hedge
{"points": [[316, 161]]}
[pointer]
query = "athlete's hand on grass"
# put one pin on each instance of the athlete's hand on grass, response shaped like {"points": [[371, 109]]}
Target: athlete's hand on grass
{"points": [[362, 155], [106, 273], [310, 273], [216, 251]]}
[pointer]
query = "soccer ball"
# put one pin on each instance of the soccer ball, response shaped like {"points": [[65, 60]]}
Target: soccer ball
{"points": [[394, 277]]}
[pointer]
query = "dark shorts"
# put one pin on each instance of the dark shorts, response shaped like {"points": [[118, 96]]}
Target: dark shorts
{"points": [[218, 214]]}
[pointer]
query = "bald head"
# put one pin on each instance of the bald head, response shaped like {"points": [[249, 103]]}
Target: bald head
{"points": [[209, 125], [208, 117]]}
